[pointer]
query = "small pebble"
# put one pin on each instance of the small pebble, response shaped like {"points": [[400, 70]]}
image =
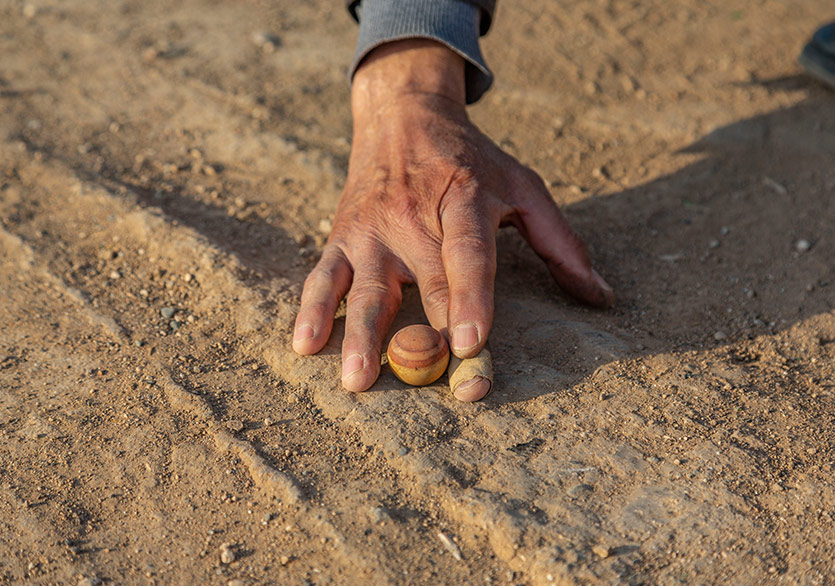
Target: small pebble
{"points": [[802, 245], [266, 518], [325, 226], [167, 312], [402, 451], [718, 336], [150, 54], [143, 292], [714, 244], [284, 560], [235, 425], [600, 551], [724, 230], [227, 556], [267, 42], [579, 490], [188, 277], [236, 583], [450, 545], [268, 422], [115, 275], [378, 515], [776, 186]]}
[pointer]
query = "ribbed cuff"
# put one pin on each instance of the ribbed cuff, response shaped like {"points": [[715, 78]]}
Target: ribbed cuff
{"points": [[455, 23]]}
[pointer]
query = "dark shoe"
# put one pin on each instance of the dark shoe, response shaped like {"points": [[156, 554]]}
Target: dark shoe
{"points": [[818, 56]]}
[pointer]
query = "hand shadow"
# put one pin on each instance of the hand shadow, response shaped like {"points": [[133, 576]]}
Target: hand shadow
{"points": [[732, 246]]}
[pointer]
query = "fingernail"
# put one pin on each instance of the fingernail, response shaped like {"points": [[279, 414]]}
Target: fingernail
{"points": [[303, 332], [352, 365], [607, 289], [472, 390], [464, 336]]}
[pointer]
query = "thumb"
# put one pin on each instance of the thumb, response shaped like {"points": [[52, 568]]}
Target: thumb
{"points": [[564, 252]]}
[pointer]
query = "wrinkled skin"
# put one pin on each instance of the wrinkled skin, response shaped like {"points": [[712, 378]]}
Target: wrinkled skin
{"points": [[425, 195]]}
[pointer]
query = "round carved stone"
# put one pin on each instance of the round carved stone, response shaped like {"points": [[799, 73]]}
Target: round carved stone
{"points": [[418, 355]]}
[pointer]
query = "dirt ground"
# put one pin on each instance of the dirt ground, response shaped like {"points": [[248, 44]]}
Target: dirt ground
{"points": [[168, 172]]}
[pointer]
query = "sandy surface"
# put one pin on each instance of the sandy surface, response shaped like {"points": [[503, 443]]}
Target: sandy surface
{"points": [[157, 159]]}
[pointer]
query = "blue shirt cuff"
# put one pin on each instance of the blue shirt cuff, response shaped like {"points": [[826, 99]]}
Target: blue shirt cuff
{"points": [[454, 23]]}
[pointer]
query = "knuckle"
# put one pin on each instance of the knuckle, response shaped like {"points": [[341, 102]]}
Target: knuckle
{"points": [[372, 293], [435, 292], [472, 246], [529, 187], [368, 249], [464, 179], [322, 274]]}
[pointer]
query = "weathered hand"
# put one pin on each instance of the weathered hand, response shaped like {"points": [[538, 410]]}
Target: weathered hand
{"points": [[425, 195]]}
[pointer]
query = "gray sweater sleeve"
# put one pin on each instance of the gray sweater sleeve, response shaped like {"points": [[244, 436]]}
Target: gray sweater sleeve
{"points": [[455, 23]]}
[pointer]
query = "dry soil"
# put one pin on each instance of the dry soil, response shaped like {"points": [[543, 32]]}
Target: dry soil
{"points": [[168, 172]]}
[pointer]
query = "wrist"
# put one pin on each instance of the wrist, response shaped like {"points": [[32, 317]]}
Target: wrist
{"points": [[408, 68]]}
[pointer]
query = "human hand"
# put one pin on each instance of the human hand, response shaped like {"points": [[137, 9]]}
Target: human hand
{"points": [[426, 193]]}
